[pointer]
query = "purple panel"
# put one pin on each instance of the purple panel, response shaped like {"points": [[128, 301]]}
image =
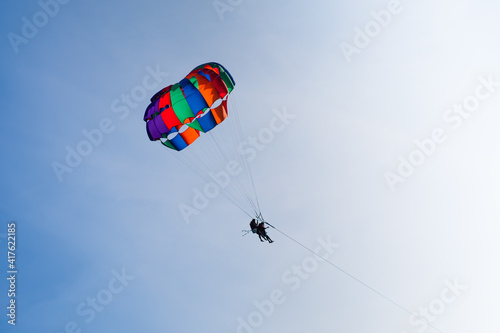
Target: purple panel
{"points": [[152, 110], [146, 113], [160, 125], [155, 134]]}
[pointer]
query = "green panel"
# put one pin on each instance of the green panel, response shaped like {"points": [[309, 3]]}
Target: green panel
{"points": [[227, 80], [168, 144], [176, 94], [194, 81], [196, 125], [225, 77], [179, 104]]}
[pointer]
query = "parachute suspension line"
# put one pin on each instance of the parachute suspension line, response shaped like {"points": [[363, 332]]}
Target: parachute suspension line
{"points": [[219, 164], [241, 136], [198, 164], [259, 217], [219, 143], [196, 169], [236, 139], [353, 277], [225, 145], [233, 119], [237, 181], [203, 157], [207, 152], [193, 163], [206, 179], [229, 197]]}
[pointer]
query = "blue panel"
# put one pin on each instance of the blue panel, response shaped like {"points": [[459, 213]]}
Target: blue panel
{"points": [[207, 122], [193, 96], [178, 142]]}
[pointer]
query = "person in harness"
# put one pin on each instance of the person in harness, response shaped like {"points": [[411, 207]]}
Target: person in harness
{"points": [[260, 229], [253, 226]]}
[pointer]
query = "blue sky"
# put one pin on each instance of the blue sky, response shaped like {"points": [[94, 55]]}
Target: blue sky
{"points": [[420, 86]]}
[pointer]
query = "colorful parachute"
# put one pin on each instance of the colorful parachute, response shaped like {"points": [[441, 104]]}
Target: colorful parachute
{"points": [[198, 103]]}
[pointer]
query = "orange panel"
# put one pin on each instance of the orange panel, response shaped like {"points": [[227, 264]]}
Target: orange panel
{"points": [[207, 89], [220, 112], [190, 135]]}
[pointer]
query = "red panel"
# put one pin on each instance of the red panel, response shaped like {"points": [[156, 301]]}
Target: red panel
{"points": [[165, 100], [218, 83], [169, 118]]}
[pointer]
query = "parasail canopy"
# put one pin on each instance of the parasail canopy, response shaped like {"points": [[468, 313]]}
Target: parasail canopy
{"points": [[198, 103]]}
